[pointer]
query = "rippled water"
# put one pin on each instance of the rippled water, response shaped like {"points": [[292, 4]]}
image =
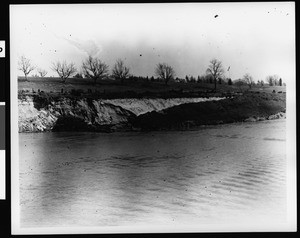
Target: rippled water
{"points": [[210, 175]]}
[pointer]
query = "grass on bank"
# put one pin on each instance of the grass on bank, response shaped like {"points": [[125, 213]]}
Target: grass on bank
{"points": [[131, 88]]}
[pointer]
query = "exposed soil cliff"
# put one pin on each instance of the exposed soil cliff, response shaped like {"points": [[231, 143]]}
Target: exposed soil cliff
{"points": [[247, 107], [37, 113]]}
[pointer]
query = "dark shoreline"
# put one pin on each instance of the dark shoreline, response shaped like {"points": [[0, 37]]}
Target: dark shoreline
{"points": [[192, 128]]}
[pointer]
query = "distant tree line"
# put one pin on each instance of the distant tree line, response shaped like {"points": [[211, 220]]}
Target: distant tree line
{"points": [[96, 69], [274, 80]]}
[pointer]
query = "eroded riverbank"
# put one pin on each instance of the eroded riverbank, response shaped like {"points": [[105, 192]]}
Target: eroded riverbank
{"points": [[37, 114]]}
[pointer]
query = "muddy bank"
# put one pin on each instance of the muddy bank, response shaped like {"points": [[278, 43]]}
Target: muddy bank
{"points": [[43, 113], [248, 107], [37, 114]]}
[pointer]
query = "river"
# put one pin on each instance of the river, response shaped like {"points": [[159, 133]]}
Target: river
{"points": [[233, 172]]}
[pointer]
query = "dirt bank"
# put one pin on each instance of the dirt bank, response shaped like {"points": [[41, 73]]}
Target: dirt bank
{"points": [[37, 114], [247, 107], [45, 113]]}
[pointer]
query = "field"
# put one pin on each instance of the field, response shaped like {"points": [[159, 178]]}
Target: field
{"points": [[113, 88]]}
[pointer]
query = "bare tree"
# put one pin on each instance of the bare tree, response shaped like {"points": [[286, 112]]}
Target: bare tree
{"points": [[25, 66], [248, 79], [269, 80], [63, 69], [262, 83], [276, 79], [120, 71], [165, 72], [215, 69], [94, 68], [42, 72], [272, 80]]}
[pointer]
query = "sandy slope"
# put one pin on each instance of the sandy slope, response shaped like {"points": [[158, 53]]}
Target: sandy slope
{"points": [[91, 115]]}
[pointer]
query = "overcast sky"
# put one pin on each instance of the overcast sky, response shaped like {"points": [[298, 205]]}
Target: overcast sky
{"points": [[255, 38]]}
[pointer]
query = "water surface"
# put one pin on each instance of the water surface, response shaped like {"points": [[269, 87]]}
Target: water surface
{"points": [[234, 172]]}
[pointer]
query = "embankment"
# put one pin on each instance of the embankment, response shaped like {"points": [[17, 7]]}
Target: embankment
{"points": [[38, 113], [248, 107]]}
